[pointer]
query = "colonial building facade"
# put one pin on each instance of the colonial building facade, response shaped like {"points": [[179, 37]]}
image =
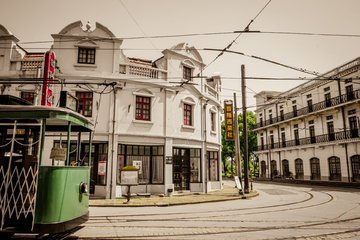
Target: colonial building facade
{"points": [[311, 131], [161, 116]]}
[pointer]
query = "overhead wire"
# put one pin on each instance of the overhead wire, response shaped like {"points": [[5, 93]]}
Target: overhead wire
{"points": [[234, 41]]}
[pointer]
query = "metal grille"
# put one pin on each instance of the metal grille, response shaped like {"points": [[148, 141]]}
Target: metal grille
{"points": [[17, 193]]}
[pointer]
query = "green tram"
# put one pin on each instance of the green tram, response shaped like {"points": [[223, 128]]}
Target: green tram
{"points": [[40, 190]]}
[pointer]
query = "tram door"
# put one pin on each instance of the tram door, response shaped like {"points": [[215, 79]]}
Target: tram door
{"points": [[181, 167]]}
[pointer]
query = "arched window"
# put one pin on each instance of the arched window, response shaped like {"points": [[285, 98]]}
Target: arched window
{"points": [[263, 169], [355, 166], [286, 169], [315, 169], [273, 169], [299, 169], [334, 169]]}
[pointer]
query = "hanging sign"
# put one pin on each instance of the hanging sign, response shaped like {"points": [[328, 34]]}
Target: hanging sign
{"points": [[48, 77], [58, 153], [229, 121]]}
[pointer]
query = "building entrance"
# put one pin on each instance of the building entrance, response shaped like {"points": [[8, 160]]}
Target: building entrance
{"points": [[181, 167]]}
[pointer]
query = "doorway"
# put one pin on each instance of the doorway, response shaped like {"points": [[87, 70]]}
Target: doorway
{"points": [[181, 169]]}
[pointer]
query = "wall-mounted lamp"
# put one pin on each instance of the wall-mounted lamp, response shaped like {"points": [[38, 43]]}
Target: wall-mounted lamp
{"points": [[129, 108]]}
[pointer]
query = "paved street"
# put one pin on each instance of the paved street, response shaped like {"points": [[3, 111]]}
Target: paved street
{"points": [[279, 212]]}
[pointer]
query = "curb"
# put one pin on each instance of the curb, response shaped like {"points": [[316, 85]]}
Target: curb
{"points": [[255, 194]]}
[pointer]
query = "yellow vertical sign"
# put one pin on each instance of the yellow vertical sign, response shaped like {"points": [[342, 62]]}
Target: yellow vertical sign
{"points": [[229, 121]]}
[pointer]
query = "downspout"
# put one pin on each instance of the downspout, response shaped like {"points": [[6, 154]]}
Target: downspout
{"points": [[205, 146]]}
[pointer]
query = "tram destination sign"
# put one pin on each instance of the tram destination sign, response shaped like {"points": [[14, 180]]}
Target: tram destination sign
{"points": [[69, 101], [229, 121], [58, 153]]}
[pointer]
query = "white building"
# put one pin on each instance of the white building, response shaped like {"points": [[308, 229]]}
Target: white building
{"points": [[311, 131], [152, 114]]}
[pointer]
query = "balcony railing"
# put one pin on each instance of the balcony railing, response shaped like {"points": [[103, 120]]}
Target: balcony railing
{"points": [[141, 71], [312, 108], [337, 136]]}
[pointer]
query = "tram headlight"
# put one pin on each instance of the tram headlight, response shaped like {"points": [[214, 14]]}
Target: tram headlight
{"points": [[83, 187]]}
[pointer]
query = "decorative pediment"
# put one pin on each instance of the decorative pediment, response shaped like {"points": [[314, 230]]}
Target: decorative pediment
{"points": [[144, 92], [76, 28], [188, 63], [86, 43], [184, 49]]}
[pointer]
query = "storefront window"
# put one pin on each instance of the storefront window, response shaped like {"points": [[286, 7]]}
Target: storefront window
{"points": [[213, 161], [148, 159], [195, 165]]}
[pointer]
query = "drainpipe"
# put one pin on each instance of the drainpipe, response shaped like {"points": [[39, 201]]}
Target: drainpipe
{"points": [[344, 126], [205, 146]]}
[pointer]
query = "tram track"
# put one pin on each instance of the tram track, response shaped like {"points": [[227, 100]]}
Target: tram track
{"points": [[235, 212], [204, 232], [170, 228]]}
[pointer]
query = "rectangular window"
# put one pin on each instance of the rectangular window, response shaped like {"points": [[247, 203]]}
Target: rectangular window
{"points": [[142, 108], [195, 164], [187, 114], [329, 117], [353, 111], [85, 103], [311, 122], [86, 55], [149, 160], [327, 100], [213, 161], [187, 73], [212, 119], [28, 96], [308, 96], [326, 89], [349, 80]]}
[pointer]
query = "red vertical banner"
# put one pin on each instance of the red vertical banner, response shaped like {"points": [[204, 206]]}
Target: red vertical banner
{"points": [[49, 70]]}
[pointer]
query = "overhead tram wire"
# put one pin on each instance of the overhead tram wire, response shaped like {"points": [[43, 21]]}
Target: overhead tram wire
{"points": [[234, 41], [205, 34]]}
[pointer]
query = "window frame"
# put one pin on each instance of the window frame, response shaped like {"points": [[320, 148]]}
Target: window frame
{"points": [[187, 73], [142, 103], [185, 116], [155, 151], [87, 56], [83, 100], [30, 98]]}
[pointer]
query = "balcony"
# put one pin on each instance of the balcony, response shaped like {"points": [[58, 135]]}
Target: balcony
{"points": [[325, 138], [26, 67], [312, 108], [142, 71]]}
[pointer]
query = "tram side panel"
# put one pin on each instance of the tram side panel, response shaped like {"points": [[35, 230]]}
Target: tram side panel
{"points": [[61, 204]]}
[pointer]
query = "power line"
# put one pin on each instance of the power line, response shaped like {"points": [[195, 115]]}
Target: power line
{"points": [[234, 41]]}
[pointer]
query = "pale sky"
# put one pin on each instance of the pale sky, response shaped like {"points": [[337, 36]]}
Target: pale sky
{"points": [[36, 20]]}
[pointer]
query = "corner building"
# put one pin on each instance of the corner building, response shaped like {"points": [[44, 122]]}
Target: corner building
{"points": [[161, 116], [311, 132]]}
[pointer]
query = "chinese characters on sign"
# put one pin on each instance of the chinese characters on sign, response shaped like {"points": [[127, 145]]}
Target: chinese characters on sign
{"points": [[229, 121], [49, 70]]}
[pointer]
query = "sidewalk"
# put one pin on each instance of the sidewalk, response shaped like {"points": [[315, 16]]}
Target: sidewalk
{"points": [[227, 193]]}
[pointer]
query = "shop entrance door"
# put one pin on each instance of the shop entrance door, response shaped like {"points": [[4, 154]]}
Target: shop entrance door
{"points": [[181, 169]]}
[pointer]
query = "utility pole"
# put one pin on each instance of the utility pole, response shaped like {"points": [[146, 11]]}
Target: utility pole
{"points": [[237, 143], [245, 132]]}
